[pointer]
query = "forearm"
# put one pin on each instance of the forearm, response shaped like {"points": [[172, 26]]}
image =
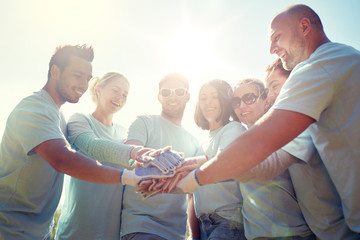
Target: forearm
{"points": [[271, 167], [274, 130], [103, 150], [62, 158]]}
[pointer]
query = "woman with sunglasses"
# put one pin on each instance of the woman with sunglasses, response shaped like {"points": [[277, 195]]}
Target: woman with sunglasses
{"points": [[270, 208], [218, 206]]}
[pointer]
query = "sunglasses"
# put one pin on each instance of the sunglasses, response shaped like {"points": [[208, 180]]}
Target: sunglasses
{"points": [[179, 92], [248, 99]]}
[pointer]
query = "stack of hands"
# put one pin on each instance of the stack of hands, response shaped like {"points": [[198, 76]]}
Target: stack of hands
{"points": [[163, 171]]}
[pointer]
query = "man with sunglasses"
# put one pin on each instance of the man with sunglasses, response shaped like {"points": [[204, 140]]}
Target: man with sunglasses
{"points": [[161, 216], [321, 95]]}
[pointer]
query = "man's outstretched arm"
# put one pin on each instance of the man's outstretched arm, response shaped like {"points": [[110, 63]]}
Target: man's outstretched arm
{"points": [[275, 129]]}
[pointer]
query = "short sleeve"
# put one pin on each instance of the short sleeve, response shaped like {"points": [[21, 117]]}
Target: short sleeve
{"points": [[308, 90], [34, 124], [77, 124], [138, 130]]}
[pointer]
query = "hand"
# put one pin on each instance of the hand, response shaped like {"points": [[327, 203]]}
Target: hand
{"points": [[188, 184], [133, 177], [141, 154]]}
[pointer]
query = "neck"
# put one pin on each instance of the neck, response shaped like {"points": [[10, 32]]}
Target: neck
{"points": [[214, 125], [103, 117], [317, 42], [53, 94], [174, 120]]}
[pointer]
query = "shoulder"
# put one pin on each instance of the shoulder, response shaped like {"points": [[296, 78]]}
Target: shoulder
{"points": [[79, 117], [234, 126], [36, 106]]}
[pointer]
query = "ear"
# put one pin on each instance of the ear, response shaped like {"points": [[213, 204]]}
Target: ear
{"points": [[55, 71], [305, 26], [187, 96], [159, 98]]}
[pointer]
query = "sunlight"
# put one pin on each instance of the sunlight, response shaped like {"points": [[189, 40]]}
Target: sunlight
{"points": [[190, 53]]}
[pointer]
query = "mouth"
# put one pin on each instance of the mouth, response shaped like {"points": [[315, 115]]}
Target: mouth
{"points": [[116, 104], [244, 113], [79, 91], [172, 104]]}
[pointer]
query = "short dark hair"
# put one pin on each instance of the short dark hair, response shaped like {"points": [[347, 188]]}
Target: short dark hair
{"points": [[63, 53], [277, 65], [175, 77], [225, 95]]}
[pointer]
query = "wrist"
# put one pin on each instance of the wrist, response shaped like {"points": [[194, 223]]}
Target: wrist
{"points": [[196, 179]]}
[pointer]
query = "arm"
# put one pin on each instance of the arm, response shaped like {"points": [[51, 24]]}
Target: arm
{"points": [[271, 167], [193, 222], [62, 158], [103, 150], [271, 132]]}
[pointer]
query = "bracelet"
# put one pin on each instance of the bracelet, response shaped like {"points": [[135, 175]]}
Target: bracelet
{"points": [[121, 176], [196, 179]]}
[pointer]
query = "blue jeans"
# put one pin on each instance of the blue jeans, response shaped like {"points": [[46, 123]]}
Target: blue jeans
{"points": [[141, 236], [213, 226]]}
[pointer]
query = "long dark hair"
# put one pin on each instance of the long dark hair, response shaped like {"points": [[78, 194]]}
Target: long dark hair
{"points": [[225, 94]]}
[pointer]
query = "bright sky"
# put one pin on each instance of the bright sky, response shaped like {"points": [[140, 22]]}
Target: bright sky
{"points": [[144, 40]]}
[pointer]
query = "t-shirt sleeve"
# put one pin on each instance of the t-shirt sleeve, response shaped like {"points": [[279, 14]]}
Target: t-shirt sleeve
{"points": [[301, 147], [232, 131], [77, 125], [308, 90], [138, 130], [34, 125]]}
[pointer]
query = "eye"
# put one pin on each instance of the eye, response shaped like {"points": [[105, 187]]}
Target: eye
{"points": [[276, 37], [124, 96]]}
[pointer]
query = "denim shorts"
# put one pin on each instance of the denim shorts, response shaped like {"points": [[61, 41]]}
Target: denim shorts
{"points": [[213, 226]]}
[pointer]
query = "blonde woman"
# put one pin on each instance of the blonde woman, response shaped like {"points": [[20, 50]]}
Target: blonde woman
{"points": [[92, 211]]}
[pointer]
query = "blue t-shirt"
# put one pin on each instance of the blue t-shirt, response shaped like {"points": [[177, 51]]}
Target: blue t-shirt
{"points": [[30, 188], [223, 198], [326, 88], [91, 210], [162, 214]]}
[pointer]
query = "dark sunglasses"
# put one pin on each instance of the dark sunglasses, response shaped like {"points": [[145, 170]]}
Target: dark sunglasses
{"points": [[248, 99], [166, 92]]}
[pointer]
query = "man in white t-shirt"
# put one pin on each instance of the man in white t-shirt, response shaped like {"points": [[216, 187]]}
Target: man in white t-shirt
{"points": [[321, 94]]}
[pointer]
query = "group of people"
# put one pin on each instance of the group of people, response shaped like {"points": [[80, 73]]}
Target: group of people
{"points": [[280, 160]]}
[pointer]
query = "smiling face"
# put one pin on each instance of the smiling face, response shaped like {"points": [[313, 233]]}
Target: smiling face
{"points": [[286, 40], [173, 106], [72, 82], [249, 114], [210, 106], [274, 81], [112, 96]]}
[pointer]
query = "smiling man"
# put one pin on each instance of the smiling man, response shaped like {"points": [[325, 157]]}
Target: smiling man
{"points": [[162, 216], [34, 152]]}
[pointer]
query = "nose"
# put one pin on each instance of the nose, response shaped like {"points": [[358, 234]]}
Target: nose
{"points": [[273, 48]]}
